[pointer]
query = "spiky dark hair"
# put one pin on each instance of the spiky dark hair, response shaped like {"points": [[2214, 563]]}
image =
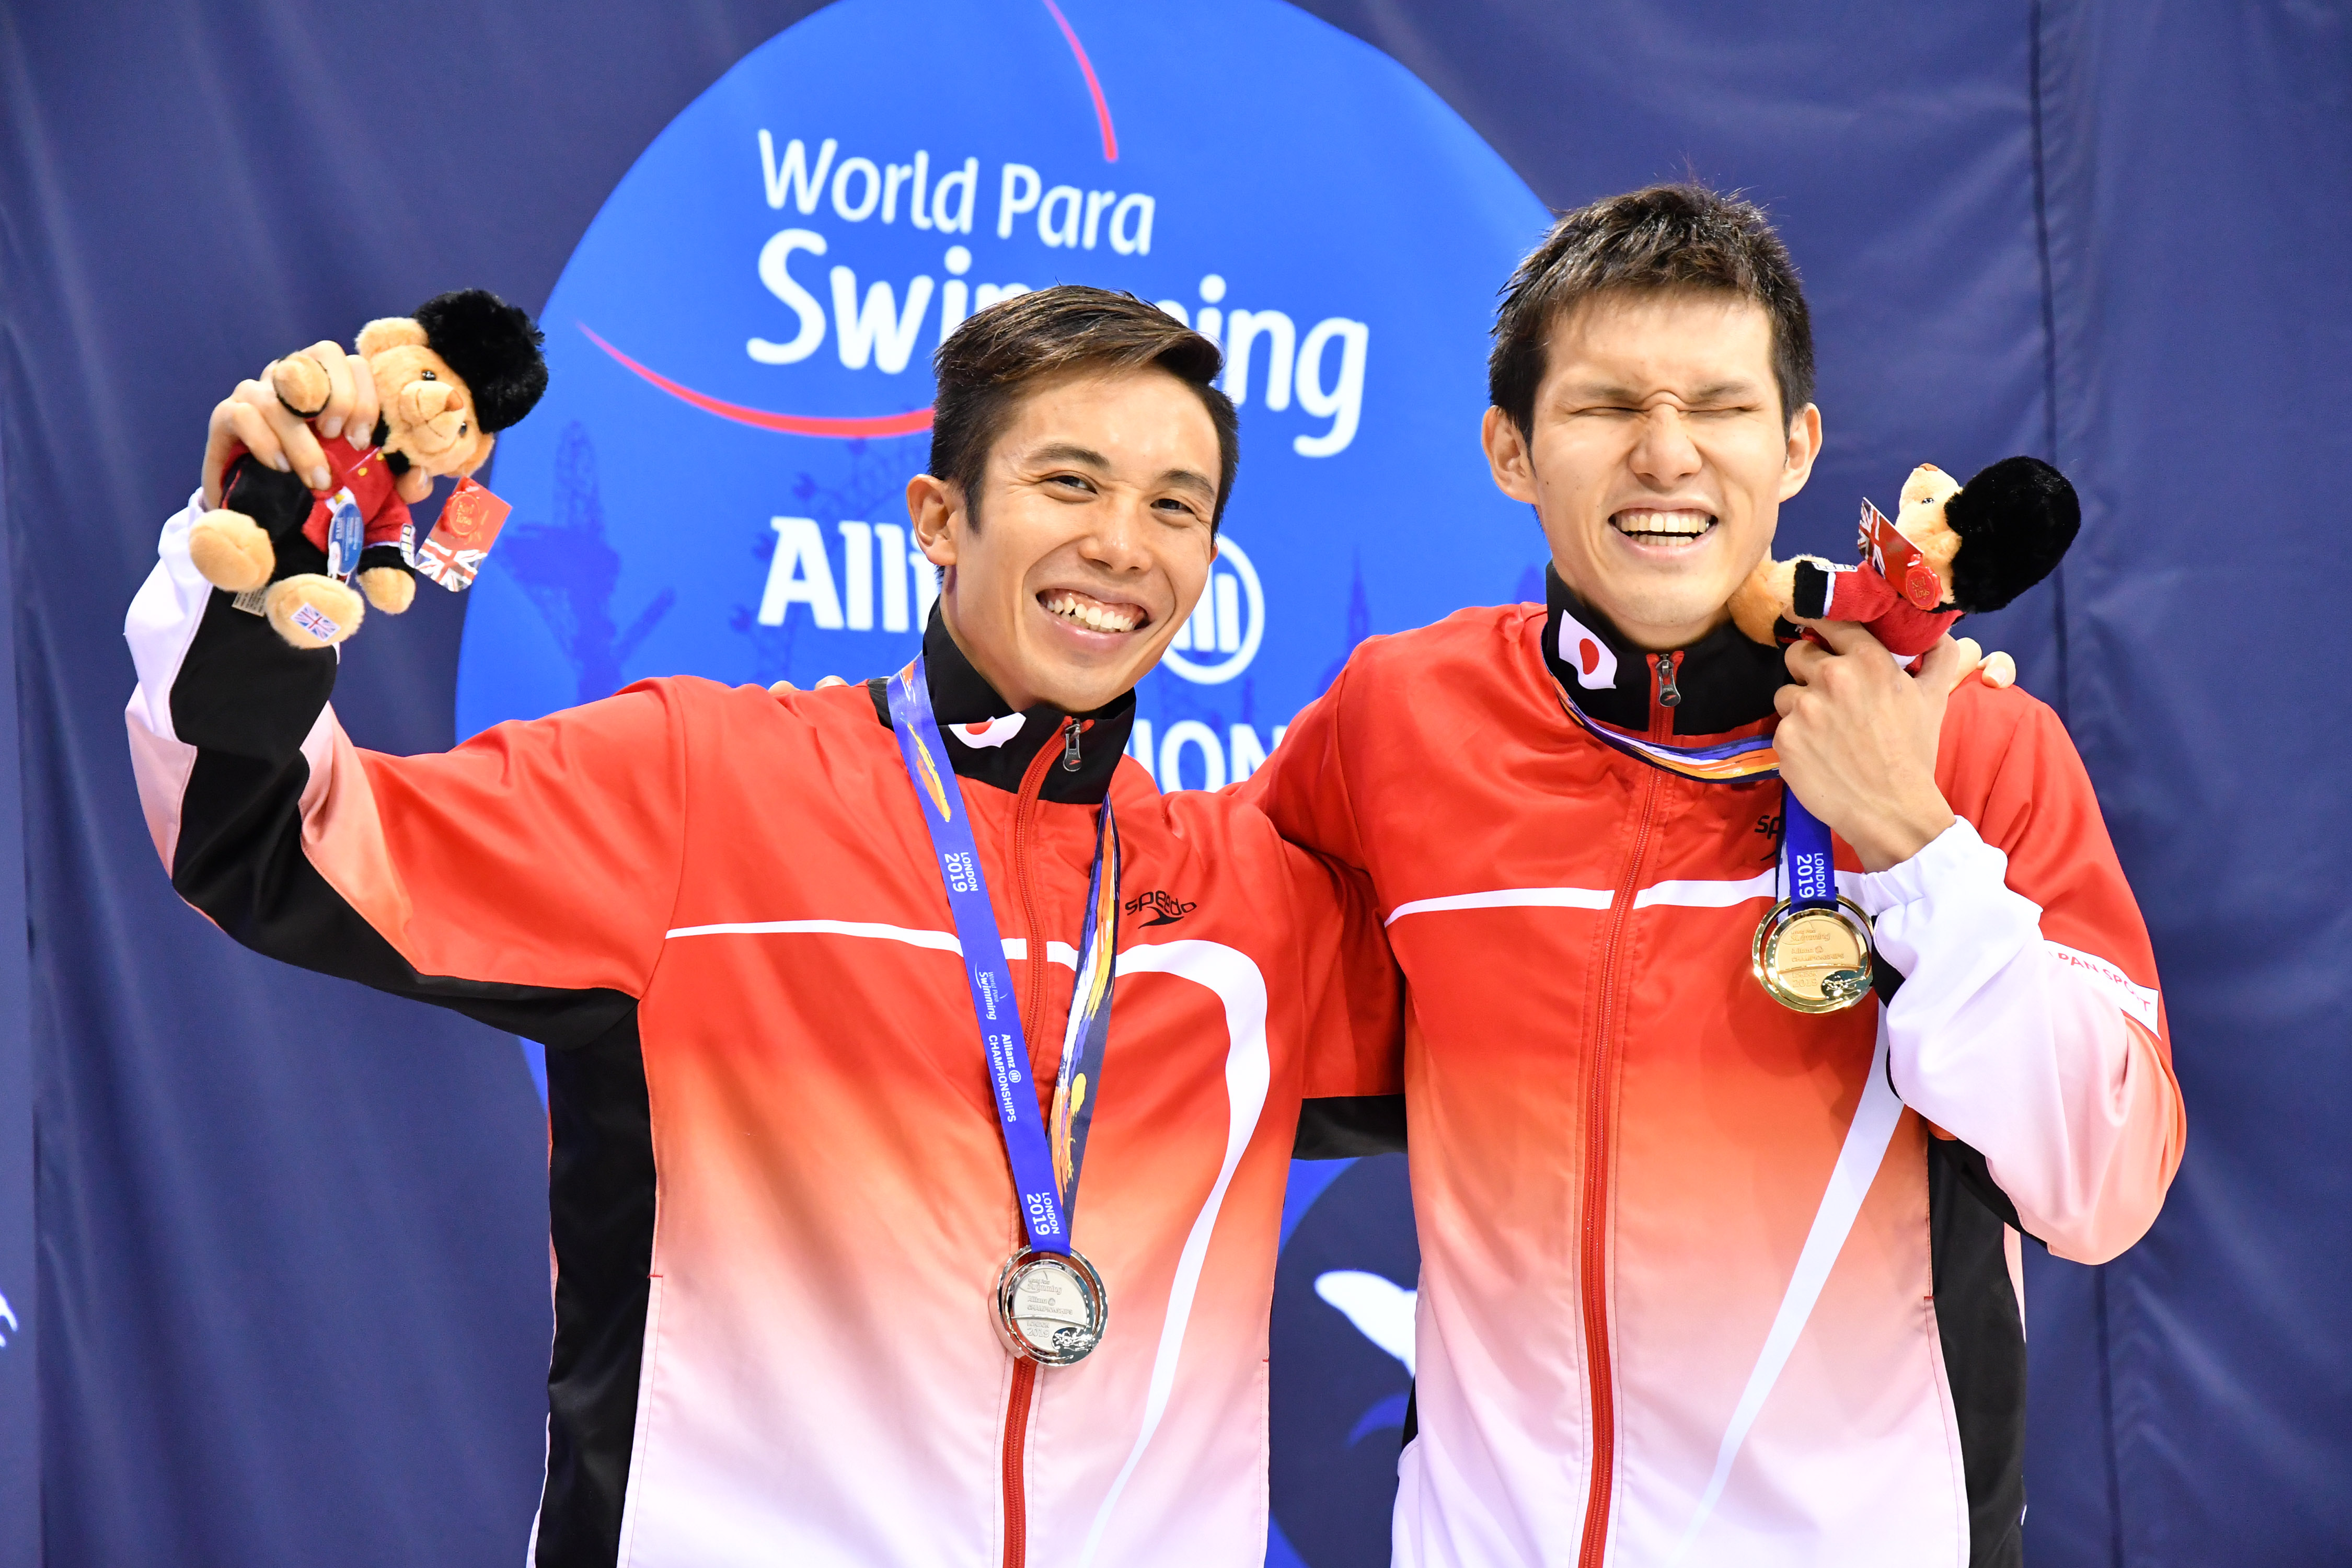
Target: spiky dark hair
{"points": [[494, 348], [1657, 241]]}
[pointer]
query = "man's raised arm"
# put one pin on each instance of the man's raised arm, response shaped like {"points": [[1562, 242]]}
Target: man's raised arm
{"points": [[524, 878]]}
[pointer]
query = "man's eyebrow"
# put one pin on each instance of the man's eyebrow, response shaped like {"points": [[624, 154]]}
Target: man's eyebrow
{"points": [[1186, 479], [1087, 457], [1069, 452], [1625, 396]]}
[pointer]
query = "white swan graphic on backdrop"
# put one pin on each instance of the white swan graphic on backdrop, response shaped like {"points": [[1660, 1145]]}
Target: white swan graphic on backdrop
{"points": [[1380, 1309]]}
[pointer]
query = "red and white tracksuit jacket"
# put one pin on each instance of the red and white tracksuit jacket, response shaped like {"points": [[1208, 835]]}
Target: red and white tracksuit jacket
{"points": [[778, 1191], [1706, 1281]]}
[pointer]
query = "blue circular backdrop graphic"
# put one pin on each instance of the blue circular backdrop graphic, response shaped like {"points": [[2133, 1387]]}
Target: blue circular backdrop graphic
{"points": [[740, 349]]}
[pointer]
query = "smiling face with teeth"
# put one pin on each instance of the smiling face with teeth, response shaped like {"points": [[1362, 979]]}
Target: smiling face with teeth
{"points": [[1089, 541], [1659, 455]]}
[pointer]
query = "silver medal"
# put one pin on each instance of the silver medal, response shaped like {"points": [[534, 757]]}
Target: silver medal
{"points": [[1051, 1308]]}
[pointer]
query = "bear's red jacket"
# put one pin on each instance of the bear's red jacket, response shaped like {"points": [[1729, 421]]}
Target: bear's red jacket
{"points": [[373, 485]]}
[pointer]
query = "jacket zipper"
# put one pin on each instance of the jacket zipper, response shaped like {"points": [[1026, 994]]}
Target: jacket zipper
{"points": [[1670, 697], [1025, 1371], [1599, 1138]]}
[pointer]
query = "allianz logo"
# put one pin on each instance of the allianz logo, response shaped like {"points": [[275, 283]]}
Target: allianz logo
{"points": [[885, 585], [1225, 628]]}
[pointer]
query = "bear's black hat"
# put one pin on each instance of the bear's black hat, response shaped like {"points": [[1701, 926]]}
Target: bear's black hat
{"points": [[2015, 520], [494, 348]]}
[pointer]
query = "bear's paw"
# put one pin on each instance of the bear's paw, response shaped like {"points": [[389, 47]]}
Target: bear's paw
{"points": [[231, 550], [313, 611]]}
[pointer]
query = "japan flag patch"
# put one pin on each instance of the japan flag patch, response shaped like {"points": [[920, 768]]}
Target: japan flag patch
{"points": [[988, 736], [1582, 651]]}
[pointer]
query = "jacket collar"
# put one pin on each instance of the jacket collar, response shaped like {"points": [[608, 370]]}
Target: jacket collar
{"points": [[989, 743], [1726, 681]]}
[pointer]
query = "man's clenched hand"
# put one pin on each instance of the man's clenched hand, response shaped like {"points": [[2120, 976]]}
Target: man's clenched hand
{"points": [[1857, 738], [252, 417]]}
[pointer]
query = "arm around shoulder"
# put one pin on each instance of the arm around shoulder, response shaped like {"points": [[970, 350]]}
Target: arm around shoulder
{"points": [[1302, 785]]}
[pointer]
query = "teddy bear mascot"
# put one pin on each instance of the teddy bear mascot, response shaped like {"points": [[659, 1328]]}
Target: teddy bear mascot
{"points": [[1952, 549], [465, 366]]}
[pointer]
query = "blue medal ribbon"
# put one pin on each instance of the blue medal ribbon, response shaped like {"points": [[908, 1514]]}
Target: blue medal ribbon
{"points": [[1045, 1161], [1807, 866]]}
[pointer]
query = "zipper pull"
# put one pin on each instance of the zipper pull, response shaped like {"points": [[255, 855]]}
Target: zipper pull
{"points": [[1669, 694], [1070, 746]]}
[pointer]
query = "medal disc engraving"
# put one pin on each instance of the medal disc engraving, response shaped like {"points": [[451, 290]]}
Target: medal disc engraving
{"points": [[1815, 960], [1050, 1308]]}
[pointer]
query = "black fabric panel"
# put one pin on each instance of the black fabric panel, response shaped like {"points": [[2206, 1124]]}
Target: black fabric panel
{"points": [[1983, 1337], [600, 1202], [1969, 1168], [277, 502], [241, 862], [1811, 599], [1727, 681], [1411, 1415], [1347, 1127], [1886, 980], [961, 695], [243, 690]]}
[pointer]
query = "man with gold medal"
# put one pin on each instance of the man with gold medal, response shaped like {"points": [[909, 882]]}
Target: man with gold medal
{"points": [[1761, 1008]]}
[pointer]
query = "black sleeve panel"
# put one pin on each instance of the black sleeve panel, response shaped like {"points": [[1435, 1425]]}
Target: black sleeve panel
{"points": [[1345, 1127], [243, 690], [240, 861], [1977, 1318], [1813, 591], [601, 1222], [1969, 1167]]}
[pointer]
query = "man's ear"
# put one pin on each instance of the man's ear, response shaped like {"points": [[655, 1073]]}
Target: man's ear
{"points": [[483, 442], [934, 505], [388, 332], [1805, 445], [1507, 456]]}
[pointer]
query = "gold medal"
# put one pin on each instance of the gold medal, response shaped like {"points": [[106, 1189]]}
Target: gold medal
{"points": [[1813, 960], [1051, 1307]]}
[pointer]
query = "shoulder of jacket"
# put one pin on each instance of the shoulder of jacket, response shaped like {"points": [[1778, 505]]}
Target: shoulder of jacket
{"points": [[1466, 637], [1990, 717]]}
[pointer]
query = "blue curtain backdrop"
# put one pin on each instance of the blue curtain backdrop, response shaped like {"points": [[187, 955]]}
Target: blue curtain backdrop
{"points": [[275, 1264]]}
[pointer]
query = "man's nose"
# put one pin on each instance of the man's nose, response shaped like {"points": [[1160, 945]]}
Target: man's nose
{"points": [[1116, 541], [1665, 454]]}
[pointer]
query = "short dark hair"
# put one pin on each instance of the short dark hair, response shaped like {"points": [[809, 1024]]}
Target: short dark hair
{"points": [[986, 363], [1663, 239]]}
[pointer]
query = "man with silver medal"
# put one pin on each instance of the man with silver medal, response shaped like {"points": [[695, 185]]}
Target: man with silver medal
{"points": [[783, 1189]]}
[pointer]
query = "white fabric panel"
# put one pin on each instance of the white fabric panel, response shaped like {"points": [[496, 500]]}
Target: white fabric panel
{"points": [[160, 627], [1711, 894], [1240, 986], [1508, 898], [1060, 953], [1859, 1157], [162, 622], [1993, 1038]]}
